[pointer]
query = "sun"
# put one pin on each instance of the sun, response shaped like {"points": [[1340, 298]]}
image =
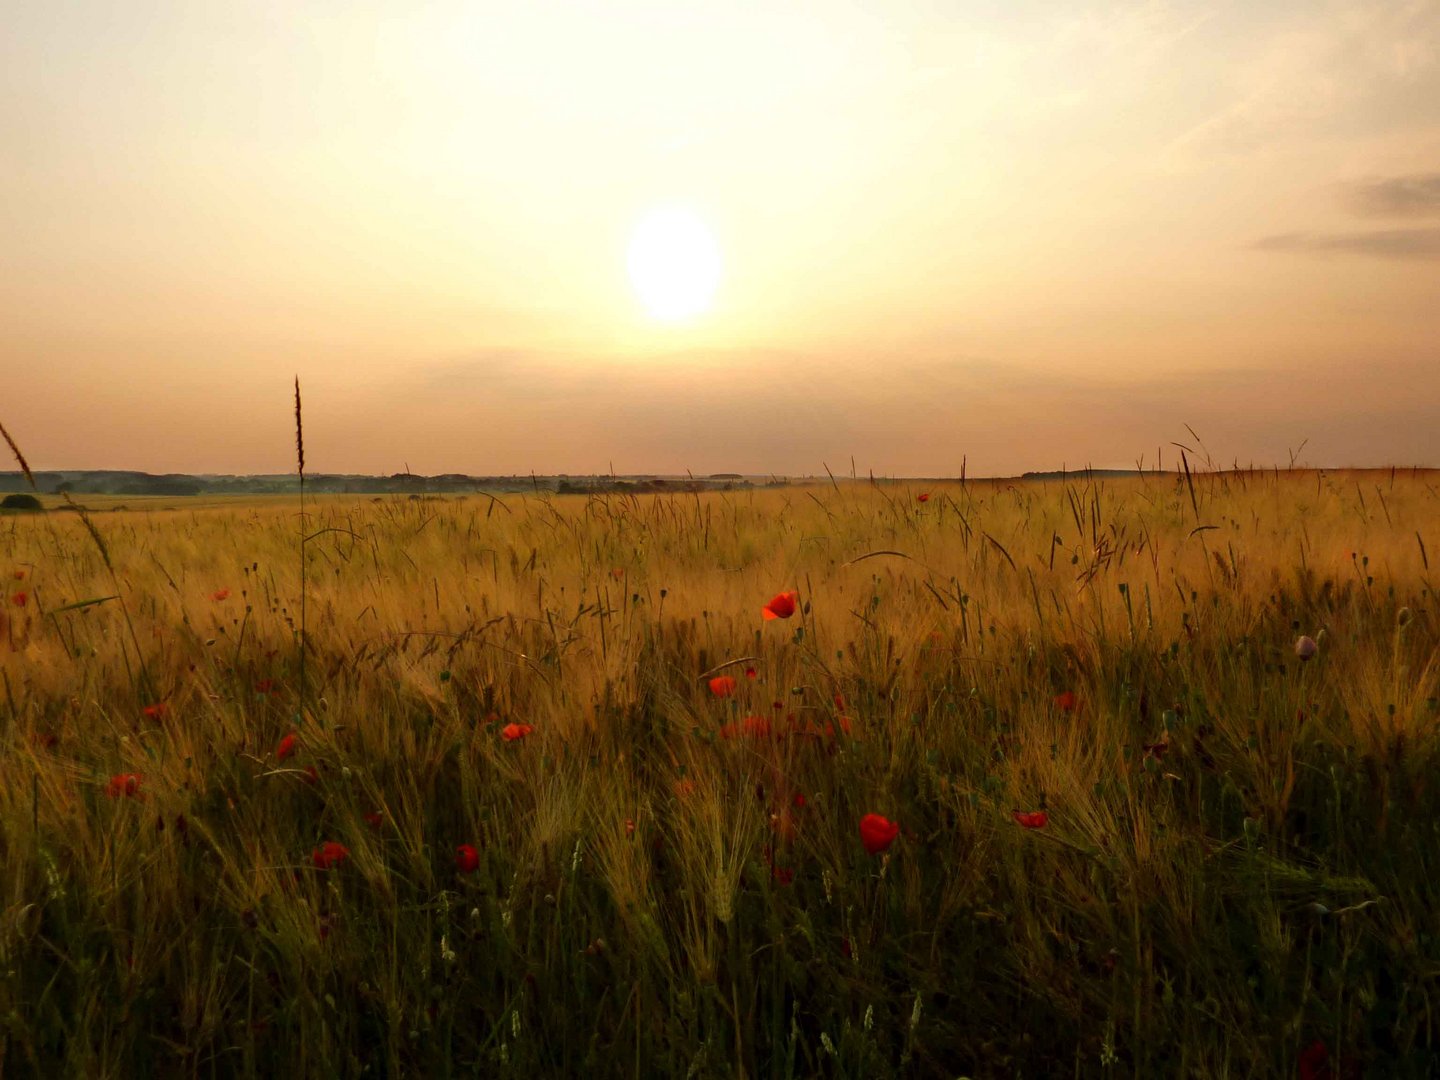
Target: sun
{"points": [[674, 263]]}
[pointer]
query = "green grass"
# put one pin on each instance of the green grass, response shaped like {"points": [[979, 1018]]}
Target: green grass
{"points": [[1239, 856]]}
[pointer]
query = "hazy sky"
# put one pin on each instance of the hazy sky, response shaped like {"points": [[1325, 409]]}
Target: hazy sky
{"points": [[1030, 233]]}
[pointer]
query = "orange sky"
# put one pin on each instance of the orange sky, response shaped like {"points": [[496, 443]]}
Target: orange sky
{"points": [[1027, 233]]}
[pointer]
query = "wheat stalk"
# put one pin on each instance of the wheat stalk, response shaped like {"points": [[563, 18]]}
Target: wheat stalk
{"points": [[300, 465], [24, 465]]}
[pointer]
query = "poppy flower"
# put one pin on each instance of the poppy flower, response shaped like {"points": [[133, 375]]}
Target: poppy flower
{"points": [[265, 686], [924, 496], [467, 859], [156, 711], [329, 855], [684, 787], [127, 784], [617, 573], [286, 747], [1065, 701], [782, 875], [629, 826], [750, 673], [220, 594], [1305, 648], [781, 607], [1314, 1061], [374, 818], [722, 685], [840, 701], [45, 740], [1033, 819], [877, 833], [756, 727], [20, 599], [511, 732], [311, 776], [19, 575], [798, 801]]}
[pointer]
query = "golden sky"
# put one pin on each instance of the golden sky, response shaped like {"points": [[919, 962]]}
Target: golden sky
{"points": [[1027, 233]]}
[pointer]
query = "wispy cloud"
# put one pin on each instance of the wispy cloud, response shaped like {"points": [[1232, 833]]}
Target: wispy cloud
{"points": [[1380, 243], [1395, 196], [1337, 70]]}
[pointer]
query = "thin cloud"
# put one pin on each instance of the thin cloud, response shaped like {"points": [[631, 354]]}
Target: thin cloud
{"points": [[1395, 196], [1381, 243]]}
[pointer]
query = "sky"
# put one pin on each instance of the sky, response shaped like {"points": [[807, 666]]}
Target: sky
{"points": [[1016, 234]]}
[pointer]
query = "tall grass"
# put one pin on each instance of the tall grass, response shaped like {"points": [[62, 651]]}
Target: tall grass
{"points": [[1236, 863]]}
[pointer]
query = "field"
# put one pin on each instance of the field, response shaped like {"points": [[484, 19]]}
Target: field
{"points": [[560, 801]]}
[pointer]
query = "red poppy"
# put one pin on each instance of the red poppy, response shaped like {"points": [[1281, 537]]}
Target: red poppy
{"points": [[127, 784], [220, 594], [756, 727], [156, 711], [467, 859], [19, 599], [1314, 1061], [1065, 701], [684, 787], [629, 826], [374, 818], [265, 686], [782, 875], [511, 732], [924, 496], [839, 701], [45, 740], [799, 800], [329, 855], [286, 747], [311, 776], [19, 575], [722, 685], [617, 573], [750, 673], [1033, 819], [781, 607], [877, 833]]}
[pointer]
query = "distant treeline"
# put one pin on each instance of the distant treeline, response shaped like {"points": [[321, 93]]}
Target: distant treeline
{"points": [[114, 482]]}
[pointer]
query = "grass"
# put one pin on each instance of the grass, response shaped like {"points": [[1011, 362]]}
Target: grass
{"points": [[1237, 860]]}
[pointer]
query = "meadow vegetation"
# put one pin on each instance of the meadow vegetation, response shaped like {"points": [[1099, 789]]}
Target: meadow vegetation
{"points": [[549, 797]]}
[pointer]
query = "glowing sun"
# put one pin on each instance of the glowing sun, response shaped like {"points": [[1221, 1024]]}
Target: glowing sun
{"points": [[674, 263]]}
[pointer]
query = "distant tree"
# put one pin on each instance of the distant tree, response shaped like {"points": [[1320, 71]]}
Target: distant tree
{"points": [[20, 502]]}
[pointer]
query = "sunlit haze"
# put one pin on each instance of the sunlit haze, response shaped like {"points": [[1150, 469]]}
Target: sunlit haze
{"points": [[497, 238]]}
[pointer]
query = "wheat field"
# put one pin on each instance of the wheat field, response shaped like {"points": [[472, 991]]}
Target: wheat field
{"points": [[526, 785]]}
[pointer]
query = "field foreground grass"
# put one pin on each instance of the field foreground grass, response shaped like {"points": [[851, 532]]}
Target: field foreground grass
{"points": [[545, 794]]}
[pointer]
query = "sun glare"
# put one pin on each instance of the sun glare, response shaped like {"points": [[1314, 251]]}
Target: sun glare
{"points": [[674, 264]]}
